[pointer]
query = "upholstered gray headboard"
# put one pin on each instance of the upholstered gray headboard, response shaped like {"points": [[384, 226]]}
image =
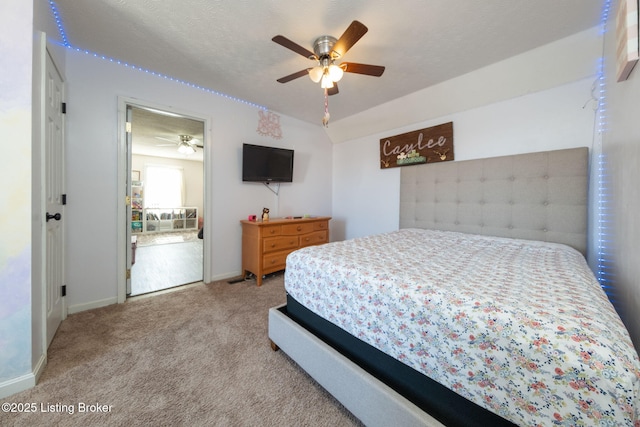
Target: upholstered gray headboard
{"points": [[535, 196]]}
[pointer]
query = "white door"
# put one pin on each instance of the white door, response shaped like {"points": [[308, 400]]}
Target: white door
{"points": [[54, 190]]}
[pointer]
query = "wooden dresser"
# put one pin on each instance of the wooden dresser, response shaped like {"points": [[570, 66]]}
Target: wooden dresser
{"points": [[265, 245]]}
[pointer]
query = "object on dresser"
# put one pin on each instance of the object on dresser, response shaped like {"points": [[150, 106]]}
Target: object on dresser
{"points": [[265, 214]]}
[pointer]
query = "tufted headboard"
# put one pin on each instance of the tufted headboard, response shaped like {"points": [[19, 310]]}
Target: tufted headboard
{"points": [[535, 196]]}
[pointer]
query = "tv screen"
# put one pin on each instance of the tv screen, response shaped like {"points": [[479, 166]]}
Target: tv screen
{"points": [[266, 164]]}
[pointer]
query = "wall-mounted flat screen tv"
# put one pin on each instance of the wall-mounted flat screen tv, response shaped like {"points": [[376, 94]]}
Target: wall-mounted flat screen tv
{"points": [[266, 164]]}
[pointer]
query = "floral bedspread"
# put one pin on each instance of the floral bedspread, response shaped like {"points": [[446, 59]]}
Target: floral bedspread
{"points": [[521, 328]]}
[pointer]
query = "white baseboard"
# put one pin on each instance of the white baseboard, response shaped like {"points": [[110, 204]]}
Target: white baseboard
{"points": [[16, 385], [23, 382], [39, 368], [91, 305]]}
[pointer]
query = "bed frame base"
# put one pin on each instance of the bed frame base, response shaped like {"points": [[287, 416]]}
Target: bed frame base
{"points": [[366, 397]]}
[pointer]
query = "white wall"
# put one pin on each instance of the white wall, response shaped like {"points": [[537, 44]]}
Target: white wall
{"points": [[92, 162], [16, 192], [621, 148]]}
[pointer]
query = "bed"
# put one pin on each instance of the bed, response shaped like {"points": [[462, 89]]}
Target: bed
{"points": [[479, 310]]}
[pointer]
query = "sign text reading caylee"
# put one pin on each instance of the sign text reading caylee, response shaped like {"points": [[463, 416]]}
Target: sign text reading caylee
{"points": [[434, 144]]}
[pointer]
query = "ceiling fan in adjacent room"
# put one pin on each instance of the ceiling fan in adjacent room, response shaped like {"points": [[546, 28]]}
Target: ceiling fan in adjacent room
{"points": [[326, 51], [186, 144]]}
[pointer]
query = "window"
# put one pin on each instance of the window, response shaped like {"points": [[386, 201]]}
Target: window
{"points": [[164, 187]]}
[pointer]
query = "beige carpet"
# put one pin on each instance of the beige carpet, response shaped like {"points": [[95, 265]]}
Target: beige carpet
{"points": [[198, 356]]}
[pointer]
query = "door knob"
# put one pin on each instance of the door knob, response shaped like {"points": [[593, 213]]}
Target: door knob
{"points": [[57, 216]]}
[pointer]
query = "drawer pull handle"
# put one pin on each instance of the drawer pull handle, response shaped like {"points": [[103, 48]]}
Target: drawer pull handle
{"points": [[299, 228]]}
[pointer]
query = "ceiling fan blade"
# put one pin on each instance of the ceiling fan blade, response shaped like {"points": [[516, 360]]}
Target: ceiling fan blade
{"points": [[293, 76], [333, 90], [283, 41], [351, 35], [369, 70]]}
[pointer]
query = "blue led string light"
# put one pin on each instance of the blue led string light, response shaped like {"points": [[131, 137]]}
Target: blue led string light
{"points": [[65, 42], [56, 16], [604, 235]]}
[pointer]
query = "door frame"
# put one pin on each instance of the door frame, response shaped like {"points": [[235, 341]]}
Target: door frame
{"points": [[122, 187]]}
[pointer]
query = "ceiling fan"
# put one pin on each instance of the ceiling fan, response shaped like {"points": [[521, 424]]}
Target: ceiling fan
{"points": [[326, 50], [186, 145]]}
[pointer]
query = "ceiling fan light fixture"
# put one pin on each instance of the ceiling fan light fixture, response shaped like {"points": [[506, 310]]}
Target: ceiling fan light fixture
{"points": [[326, 83], [315, 74], [326, 50], [335, 72], [186, 148]]}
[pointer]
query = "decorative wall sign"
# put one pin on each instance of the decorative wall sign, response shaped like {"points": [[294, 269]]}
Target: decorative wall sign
{"points": [[269, 124], [626, 38], [430, 145]]}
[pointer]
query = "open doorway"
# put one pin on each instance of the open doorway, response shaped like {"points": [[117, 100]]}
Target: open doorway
{"points": [[166, 189]]}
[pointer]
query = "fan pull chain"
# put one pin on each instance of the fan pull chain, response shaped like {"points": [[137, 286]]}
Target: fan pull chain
{"points": [[325, 119]]}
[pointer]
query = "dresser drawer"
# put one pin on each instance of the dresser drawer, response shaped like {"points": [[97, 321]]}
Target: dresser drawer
{"points": [[275, 261], [321, 225], [315, 238], [271, 230], [273, 244], [297, 229]]}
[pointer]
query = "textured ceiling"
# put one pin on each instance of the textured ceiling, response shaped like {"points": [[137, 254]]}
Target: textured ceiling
{"points": [[226, 45]]}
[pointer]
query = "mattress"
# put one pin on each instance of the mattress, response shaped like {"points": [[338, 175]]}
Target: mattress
{"points": [[521, 328]]}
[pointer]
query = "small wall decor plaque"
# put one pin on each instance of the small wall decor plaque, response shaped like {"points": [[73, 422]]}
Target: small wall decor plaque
{"points": [[429, 145], [269, 124]]}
